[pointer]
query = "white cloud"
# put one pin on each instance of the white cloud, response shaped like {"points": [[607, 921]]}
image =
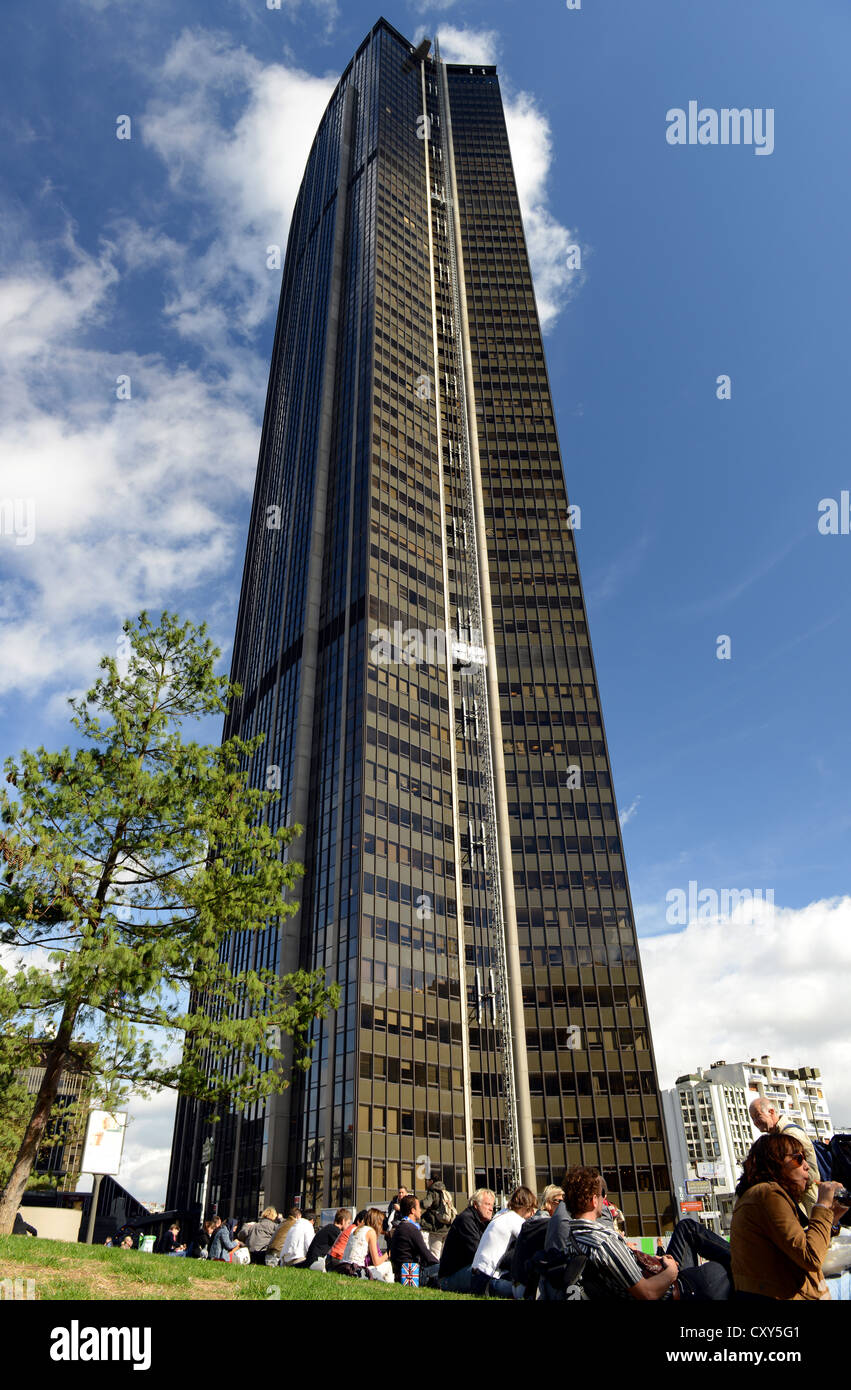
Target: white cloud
{"points": [[147, 1146], [35, 310], [136, 502], [244, 172], [465, 45], [736, 990], [133, 499], [549, 242], [627, 815], [15, 958]]}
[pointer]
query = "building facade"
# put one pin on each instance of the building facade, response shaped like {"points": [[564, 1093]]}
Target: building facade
{"points": [[709, 1133], [61, 1151], [412, 641], [794, 1091], [710, 1130]]}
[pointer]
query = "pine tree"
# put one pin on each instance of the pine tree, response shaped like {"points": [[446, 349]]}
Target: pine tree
{"points": [[126, 864], [19, 1053]]}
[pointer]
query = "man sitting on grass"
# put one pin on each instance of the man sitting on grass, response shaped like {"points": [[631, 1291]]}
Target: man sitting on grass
{"points": [[462, 1242], [298, 1242], [407, 1245], [613, 1270], [326, 1238]]}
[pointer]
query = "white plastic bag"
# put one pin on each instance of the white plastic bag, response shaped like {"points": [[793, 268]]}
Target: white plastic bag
{"points": [[838, 1257]]}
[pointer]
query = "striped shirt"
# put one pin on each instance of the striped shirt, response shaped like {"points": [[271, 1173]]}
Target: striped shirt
{"points": [[612, 1268]]}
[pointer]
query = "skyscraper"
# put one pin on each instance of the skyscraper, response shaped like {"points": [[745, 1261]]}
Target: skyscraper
{"points": [[412, 641]]}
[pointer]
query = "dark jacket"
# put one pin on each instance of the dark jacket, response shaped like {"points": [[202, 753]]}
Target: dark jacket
{"points": [[557, 1230], [321, 1245], [530, 1241], [22, 1227], [462, 1240], [201, 1242], [407, 1246], [435, 1211]]}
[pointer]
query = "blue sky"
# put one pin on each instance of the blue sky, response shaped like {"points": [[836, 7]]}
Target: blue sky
{"points": [[147, 258]]}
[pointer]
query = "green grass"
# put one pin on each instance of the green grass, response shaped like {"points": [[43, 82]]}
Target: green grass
{"points": [[66, 1271]]}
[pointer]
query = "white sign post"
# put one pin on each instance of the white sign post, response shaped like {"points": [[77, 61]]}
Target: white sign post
{"points": [[102, 1153], [206, 1160]]}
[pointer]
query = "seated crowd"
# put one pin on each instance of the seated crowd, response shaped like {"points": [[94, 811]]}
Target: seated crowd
{"points": [[569, 1245]]}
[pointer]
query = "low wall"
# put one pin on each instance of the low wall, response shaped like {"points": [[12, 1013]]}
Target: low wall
{"points": [[54, 1223]]}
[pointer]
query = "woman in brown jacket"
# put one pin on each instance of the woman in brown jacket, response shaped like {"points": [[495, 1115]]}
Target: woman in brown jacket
{"points": [[776, 1253]]}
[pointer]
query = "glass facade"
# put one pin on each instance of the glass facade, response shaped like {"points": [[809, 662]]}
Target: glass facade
{"points": [[412, 641]]}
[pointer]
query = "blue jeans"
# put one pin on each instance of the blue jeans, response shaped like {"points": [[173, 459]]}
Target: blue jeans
{"points": [[459, 1282], [710, 1282], [486, 1287], [428, 1275]]}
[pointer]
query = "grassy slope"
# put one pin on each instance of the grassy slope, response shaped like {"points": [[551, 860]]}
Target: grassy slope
{"points": [[62, 1270]]}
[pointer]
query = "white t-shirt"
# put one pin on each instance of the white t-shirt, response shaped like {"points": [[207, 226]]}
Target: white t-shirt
{"points": [[357, 1247], [297, 1242], [495, 1241]]}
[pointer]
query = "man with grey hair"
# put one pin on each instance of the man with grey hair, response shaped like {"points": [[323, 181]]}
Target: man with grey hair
{"points": [[765, 1118], [462, 1241]]}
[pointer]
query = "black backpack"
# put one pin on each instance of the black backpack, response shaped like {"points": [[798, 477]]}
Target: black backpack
{"points": [[559, 1274], [523, 1249], [840, 1154], [834, 1163], [826, 1154]]}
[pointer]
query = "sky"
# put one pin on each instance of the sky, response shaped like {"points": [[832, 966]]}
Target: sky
{"points": [[136, 323]]}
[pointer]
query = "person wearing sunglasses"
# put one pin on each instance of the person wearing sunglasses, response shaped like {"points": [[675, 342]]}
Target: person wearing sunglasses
{"points": [[765, 1118], [777, 1252]]}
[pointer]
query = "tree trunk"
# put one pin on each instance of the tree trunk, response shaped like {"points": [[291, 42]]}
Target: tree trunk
{"points": [[54, 1066]]}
